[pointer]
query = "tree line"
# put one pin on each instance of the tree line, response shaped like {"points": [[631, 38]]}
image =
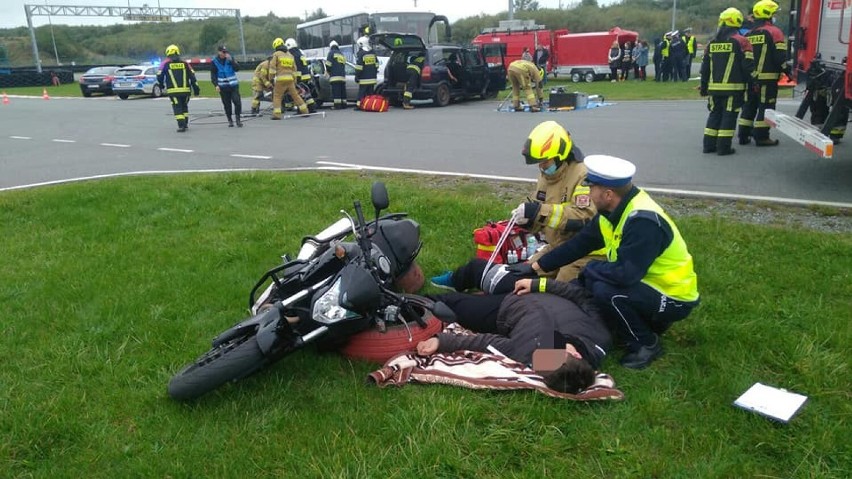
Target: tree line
{"points": [[131, 43]]}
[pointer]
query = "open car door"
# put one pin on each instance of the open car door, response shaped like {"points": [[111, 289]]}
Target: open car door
{"points": [[495, 56]]}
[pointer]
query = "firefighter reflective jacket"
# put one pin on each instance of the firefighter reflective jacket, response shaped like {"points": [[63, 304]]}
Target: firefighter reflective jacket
{"points": [[336, 65], [565, 203], [366, 68], [728, 65], [282, 66], [262, 79], [301, 64], [176, 76], [770, 52]]}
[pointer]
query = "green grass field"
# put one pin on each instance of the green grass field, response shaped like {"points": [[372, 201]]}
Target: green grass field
{"points": [[109, 287]]}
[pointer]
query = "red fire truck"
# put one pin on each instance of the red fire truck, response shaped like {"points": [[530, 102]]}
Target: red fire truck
{"points": [[515, 35], [821, 34]]}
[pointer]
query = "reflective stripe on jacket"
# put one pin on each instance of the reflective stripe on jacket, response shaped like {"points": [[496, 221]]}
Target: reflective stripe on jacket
{"points": [[672, 273]]}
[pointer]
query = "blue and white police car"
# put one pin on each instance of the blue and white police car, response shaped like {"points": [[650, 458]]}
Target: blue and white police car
{"points": [[136, 80]]}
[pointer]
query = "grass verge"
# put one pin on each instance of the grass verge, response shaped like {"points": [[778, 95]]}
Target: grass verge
{"points": [[109, 287]]}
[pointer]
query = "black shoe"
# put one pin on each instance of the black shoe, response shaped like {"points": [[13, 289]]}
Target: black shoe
{"points": [[181, 129], [239, 123], [230, 124], [766, 142], [643, 357], [744, 140], [708, 150], [726, 152]]}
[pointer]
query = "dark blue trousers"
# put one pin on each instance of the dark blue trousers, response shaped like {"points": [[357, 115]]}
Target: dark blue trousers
{"points": [[639, 313]]}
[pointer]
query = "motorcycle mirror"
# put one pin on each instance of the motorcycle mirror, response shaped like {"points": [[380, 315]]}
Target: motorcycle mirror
{"points": [[359, 291], [443, 312], [379, 195]]}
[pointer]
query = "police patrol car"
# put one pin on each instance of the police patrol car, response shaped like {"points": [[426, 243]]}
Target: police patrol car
{"points": [[136, 80]]}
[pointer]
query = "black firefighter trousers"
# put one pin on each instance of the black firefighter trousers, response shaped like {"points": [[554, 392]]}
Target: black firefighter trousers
{"points": [[722, 122]]}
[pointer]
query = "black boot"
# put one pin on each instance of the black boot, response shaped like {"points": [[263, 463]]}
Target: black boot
{"points": [[744, 140], [766, 142], [230, 122], [239, 122], [723, 146], [709, 144]]}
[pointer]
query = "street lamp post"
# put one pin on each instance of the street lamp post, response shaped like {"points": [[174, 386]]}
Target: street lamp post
{"points": [[674, 14]]}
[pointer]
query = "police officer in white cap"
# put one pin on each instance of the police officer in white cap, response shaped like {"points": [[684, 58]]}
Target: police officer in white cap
{"points": [[648, 281]]}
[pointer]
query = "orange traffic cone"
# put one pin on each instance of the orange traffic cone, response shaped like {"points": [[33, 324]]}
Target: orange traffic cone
{"points": [[5, 98], [44, 94]]}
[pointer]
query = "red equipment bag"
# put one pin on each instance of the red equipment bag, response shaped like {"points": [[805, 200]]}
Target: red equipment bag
{"points": [[374, 103], [486, 239]]}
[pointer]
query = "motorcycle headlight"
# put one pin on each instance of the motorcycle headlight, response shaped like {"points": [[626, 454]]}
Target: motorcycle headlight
{"points": [[327, 309]]}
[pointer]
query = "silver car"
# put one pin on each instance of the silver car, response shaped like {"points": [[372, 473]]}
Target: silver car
{"points": [[320, 73]]}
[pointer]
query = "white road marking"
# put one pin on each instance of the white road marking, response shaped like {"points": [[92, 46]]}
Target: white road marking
{"points": [[116, 145], [177, 150], [59, 140], [21, 137], [252, 157]]}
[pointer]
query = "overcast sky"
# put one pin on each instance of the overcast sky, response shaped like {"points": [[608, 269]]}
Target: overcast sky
{"points": [[12, 13]]}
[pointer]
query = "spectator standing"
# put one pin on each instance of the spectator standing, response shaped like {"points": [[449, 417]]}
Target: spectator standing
{"points": [[526, 55], [640, 60], [658, 59], [626, 60], [541, 58], [614, 61]]}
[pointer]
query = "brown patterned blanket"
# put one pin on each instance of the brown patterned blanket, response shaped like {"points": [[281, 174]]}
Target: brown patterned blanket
{"points": [[477, 370]]}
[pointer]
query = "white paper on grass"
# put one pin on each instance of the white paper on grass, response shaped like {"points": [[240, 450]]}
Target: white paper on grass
{"points": [[771, 402]]}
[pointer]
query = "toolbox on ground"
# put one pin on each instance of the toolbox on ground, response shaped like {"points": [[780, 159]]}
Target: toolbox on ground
{"points": [[559, 99]]}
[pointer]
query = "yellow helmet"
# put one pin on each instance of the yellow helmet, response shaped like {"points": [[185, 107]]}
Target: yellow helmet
{"points": [[547, 141], [277, 43], [731, 17], [172, 50], [765, 9]]}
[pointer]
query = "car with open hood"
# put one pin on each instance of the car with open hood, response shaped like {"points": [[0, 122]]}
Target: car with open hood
{"points": [[477, 77]]}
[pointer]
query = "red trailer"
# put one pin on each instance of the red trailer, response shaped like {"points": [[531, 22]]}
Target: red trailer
{"points": [[584, 56], [822, 33], [515, 35]]}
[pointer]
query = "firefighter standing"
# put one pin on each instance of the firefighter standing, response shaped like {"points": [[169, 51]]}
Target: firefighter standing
{"points": [[178, 79], [366, 69], [770, 56], [413, 69], [303, 75], [522, 74], [726, 71], [283, 69], [336, 65], [223, 74], [261, 83]]}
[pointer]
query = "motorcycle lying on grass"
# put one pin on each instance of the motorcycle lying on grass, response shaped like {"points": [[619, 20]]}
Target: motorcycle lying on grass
{"points": [[331, 291]]}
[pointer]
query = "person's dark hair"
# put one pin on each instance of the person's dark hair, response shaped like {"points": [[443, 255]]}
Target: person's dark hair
{"points": [[573, 376]]}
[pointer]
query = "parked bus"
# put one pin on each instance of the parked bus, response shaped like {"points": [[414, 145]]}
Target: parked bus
{"points": [[314, 36]]}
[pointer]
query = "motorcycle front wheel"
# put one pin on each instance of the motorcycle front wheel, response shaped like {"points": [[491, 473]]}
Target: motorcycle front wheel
{"points": [[230, 361]]}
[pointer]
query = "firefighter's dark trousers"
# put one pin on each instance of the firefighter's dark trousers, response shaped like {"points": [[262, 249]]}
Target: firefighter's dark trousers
{"points": [[338, 93], [180, 106], [719, 131], [751, 123]]}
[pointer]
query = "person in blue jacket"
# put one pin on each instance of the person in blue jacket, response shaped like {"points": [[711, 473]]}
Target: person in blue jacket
{"points": [[223, 74]]}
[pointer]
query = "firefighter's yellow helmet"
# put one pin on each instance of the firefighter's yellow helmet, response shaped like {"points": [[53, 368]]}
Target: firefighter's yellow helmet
{"points": [[277, 43], [172, 50], [765, 9], [547, 141], [731, 17]]}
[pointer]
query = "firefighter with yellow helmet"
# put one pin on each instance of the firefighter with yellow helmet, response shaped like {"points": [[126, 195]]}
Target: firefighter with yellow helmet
{"points": [[261, 83], [770, 57], [559, 208], [178, 79], [523, 74], [283, 69], [727, 70]]}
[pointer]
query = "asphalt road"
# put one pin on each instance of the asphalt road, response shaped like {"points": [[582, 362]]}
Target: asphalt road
{"points": [[59, 139]]}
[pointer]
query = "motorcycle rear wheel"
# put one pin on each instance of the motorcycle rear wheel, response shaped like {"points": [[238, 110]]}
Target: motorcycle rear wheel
{"points": [[231, 361]]}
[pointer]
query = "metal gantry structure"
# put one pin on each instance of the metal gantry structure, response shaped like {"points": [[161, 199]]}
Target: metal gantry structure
{"points": [[136, 14]]}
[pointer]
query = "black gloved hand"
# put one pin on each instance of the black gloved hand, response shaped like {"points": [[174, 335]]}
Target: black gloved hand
{"points": [[522, 269], [703, 91], [196, 90], [531, 209]]}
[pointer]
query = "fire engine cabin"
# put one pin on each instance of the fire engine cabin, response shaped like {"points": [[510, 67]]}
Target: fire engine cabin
{"points": [[822, 42], [584, 56], [515, 35]]}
